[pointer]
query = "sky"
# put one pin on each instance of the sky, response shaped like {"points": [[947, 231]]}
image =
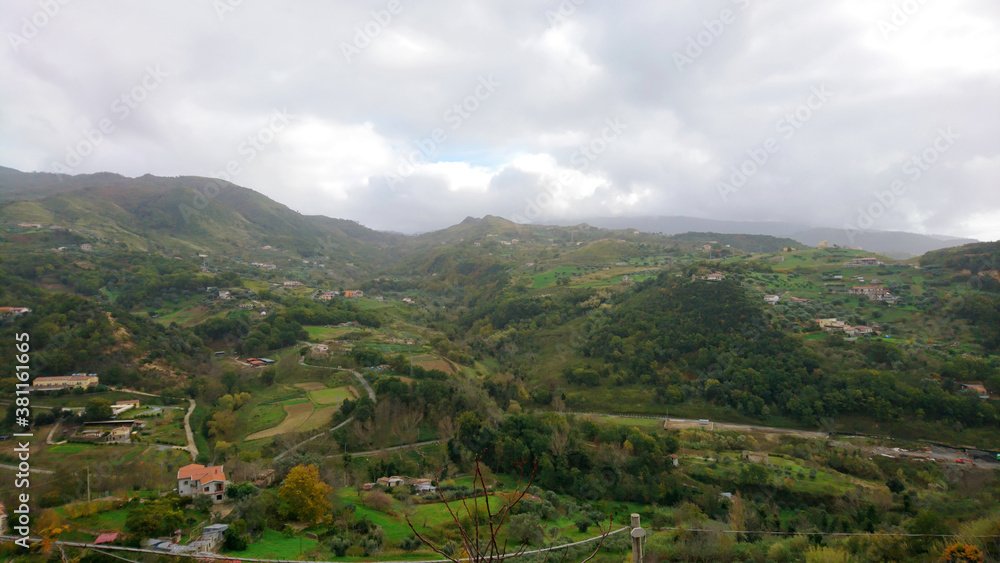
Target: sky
{"points": [[410, 115]]}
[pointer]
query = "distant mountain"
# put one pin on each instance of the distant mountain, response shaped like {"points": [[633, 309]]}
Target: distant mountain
{"points": [[896, 244], [185, 214], [749, 243]]}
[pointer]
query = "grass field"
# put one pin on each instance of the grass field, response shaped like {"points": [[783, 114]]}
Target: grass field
{"points": [[297, 414], [428, 361], [329, 396], [319, 418], [273, 545]]}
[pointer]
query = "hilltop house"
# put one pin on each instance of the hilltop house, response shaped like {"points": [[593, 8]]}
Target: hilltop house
{"points": [[195, 479], [862, 262], [74, 381], [980, 389]]}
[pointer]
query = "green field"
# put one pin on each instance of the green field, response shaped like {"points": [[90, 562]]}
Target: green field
{"points": [[330, 396], [273, 545]]}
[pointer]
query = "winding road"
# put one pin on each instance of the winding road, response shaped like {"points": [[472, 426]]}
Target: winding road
{"points": [[191, 448]]}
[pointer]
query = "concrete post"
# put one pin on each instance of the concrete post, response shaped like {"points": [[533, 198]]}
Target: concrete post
{"points": [[637, 535]]}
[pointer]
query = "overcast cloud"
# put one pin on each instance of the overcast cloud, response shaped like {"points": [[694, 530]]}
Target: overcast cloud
{"points": [[446, 109]]}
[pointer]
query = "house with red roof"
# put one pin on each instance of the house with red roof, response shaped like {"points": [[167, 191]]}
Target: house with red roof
{"points": [[195, 479]]}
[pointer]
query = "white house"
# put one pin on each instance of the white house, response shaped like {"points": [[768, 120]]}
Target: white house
{"points": [[195, 479], [772, 299]]}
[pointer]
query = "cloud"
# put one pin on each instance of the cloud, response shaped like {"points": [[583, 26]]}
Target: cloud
{"points": [[403, 134]]}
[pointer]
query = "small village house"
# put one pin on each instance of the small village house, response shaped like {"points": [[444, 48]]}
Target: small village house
{"points": [[772, 299], [979, 389], [195, 479], [13, 311]]}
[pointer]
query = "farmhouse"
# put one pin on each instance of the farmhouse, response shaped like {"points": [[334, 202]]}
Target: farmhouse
{"points": [[74, 381], [292, 284], [106, 432], [225, 295], [195, 479], [981, 390], [772, 299], [715, 276], [863, 262]]}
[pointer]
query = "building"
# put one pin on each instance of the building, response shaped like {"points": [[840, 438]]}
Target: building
{"points": [[13, 311], [254, 362], [772, 299], [86, 247], [863, 262], [195, 479], [407, 300], [327, 295], [27, 225], [225, 295], [210, 539], [3, 520], [122, 406], [755, 457], [75, 381], [423, 486], [715, 276], [980, 389], [106, 432]]}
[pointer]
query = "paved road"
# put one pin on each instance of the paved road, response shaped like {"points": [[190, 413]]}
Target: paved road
{"points": [[392, 449], [360, 378], [52, 432], [191, 448]]}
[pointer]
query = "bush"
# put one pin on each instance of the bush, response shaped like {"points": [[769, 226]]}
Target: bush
{"points": [[378, 500]]}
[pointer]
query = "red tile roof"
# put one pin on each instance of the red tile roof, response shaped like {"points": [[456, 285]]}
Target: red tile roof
{"points": [[201, 473]]}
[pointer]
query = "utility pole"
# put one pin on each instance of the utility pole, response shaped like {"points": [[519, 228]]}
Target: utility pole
{"points": [[88, 483], [637, 534]]}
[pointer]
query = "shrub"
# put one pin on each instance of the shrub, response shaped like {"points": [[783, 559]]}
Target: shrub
{"points": [[378, 500]]}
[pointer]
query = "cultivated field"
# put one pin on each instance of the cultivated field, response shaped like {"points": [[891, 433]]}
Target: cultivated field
{"points": [[297, 414]]}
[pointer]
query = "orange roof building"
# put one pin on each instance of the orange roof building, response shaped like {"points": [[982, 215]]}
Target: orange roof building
{"points": [[195, 479]]}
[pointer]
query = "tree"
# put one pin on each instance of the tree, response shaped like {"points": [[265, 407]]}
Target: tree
{"points": [[240, 491], [305, 493], [98, 409], [158, 518]]}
